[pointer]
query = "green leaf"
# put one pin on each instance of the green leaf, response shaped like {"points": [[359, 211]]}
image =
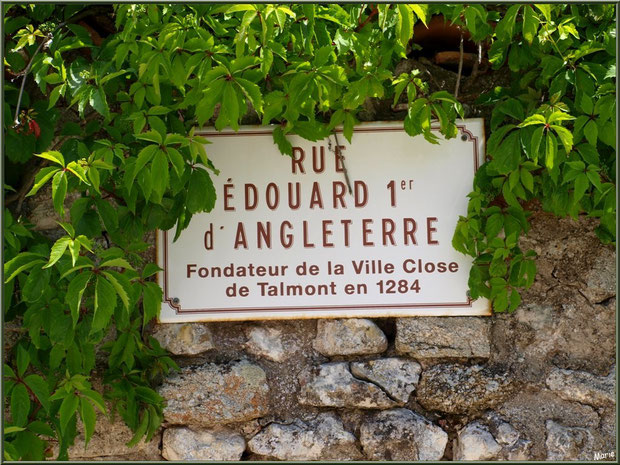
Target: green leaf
{"points": [[74, 249], [590, 130], [545, 9], [505, 28], [8, 372], [20, 263], [119, 262], [150, 136], [67, 410], [158, 125], [145, 156], [534, 119], [420, 11], [78, 171], [58, 249], [206, 106], [20, 405], [508, 155], [148, 395], [500, 303], [581, 186], [529, 267], [558, 116], [141, 430], [229, 111], [105, 301], [515, 300], [40, 389], [120, 290], [150, 269], [96, 398], [23, 360], [177, 160], [530, 23], [57, 355], [39, 427], [87, 413], [594, 178], [588, 153], [551, 150], [537, 136], [252, 93], [54, 156], [160, 175], [527, 180], [151, 301], [13, 429], [98, 101], [41, 178], [494, 225], [76, 268], [565, 136], [200, 192], [36, 284], [55, 94], [404, 25], [284, 145], [75, 290], [349, 124], [108, 214], [59, 191]]}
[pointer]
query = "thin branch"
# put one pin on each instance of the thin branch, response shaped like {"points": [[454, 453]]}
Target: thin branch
{"points": [[458, 76], [26, 71], [372, 14], [76, 17], [474, 70], [339, 154]]}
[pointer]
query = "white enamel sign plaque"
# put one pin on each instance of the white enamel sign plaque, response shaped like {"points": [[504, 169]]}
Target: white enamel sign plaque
{"points": [[288, 239]]}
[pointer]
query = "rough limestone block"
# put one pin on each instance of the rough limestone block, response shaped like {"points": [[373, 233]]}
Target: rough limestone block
{"points": [[569, 443], [601, 278], [333, 385], [351, 336], [475, 442], [202, 444], [184, 338], [323, 438], [398, 377], [401, 434], [267, 343], [583, 387], [430, 337], [454, 388], [491, 438], [213, 394]]}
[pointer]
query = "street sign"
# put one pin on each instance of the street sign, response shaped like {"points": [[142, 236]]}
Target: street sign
{"points": [[338, 230]]}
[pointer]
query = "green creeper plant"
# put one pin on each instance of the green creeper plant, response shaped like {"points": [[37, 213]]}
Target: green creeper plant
{"points": [[109, 122]]}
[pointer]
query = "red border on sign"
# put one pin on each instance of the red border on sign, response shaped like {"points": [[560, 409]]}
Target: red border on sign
{"points": [[267, 132]]}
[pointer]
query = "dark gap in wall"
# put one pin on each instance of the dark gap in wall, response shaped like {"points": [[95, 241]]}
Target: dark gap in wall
{"points": [[388, 326], [440, 43], [606, 302]]}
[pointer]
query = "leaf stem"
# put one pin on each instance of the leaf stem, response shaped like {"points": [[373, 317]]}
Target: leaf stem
{"points": [[460, 71]]}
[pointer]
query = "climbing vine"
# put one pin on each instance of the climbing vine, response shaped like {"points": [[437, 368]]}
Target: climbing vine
{"points": [[105, 117]]}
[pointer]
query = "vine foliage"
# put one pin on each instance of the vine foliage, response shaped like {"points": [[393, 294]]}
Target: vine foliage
{"points": [[106, 118]]}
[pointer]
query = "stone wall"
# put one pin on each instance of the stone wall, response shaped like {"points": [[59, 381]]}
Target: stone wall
{"points": [[535, 384]]}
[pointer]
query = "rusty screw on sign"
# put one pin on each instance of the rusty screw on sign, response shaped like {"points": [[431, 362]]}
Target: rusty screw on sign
{"points": [[176, 300], [464, 137]]}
